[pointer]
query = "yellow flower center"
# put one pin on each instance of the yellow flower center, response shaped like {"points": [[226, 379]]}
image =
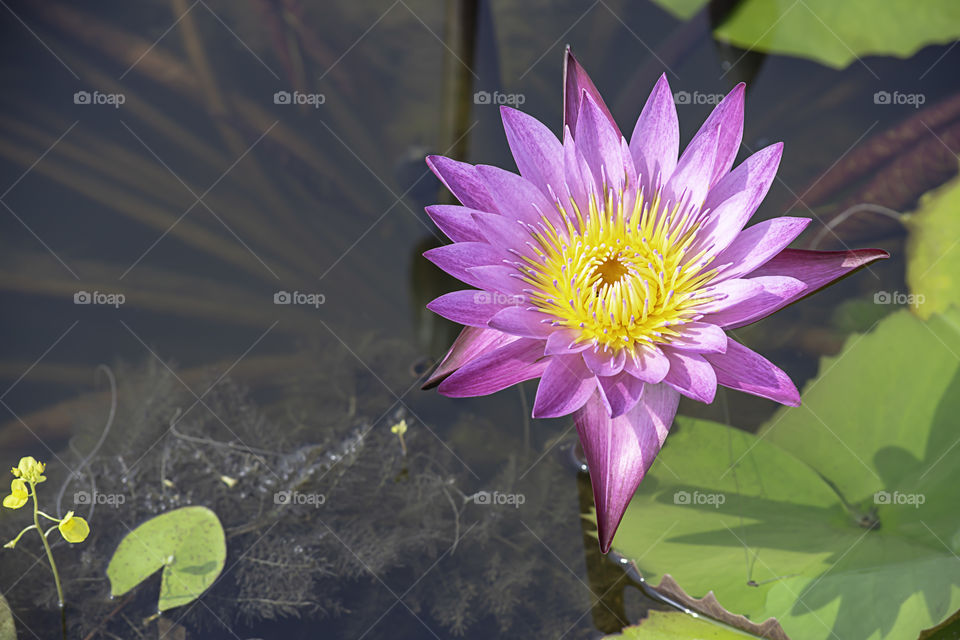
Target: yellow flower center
{"points": [[621, 277]]}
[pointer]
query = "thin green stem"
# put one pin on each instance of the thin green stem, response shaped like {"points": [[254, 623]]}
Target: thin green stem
{"points": [[48, 517], [13, 543], [46, 545]]}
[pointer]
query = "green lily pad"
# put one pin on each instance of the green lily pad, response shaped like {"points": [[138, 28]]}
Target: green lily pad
{"points": [[839, 519], [830, 32], [933, 250], [7, 629], [675, 625], [188, 543]]}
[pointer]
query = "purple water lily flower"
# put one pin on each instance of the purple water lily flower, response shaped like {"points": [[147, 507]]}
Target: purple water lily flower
{"points": [[610, 269]]}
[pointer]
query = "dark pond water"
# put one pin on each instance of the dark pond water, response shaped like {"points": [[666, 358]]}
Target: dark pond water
{"points": [[152, 157]]}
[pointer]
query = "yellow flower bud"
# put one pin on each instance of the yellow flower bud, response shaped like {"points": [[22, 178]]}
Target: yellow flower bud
{"points": [[73, 528], [30, 470], [18, 494]]}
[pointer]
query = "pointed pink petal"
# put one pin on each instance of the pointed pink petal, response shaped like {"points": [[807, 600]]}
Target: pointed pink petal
{"points": [[599, 142], [561, 342], [728, 116], [700, 337], [521, 321], [619, 451], [578, 186], [565, 386], [517, 198], [728, 293], [815, 269], [463, 182], [472, 343], [655, 143], [472, 308], [757, 244], [605, 362], [648, 364], [575, 83], [498, 369], [456, 258], [455, 222], [537, 152], [744, 370], [620, 393], [690, 181], [502, 280], [691, 375], [500, 231], [774, 291]]}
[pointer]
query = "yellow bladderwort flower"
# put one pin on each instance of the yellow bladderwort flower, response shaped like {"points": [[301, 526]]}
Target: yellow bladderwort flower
{"points": [[30, 470], [27, 475], [18, 494], [73, 528]]}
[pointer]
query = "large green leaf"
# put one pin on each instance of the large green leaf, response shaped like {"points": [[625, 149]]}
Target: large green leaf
{"points": [[674, 625], [782, 525], [831, 32], [7, 629], [189, 545], [933, 250]]}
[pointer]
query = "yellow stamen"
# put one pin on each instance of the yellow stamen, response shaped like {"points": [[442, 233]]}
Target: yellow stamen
{"points": [[620, 277]]}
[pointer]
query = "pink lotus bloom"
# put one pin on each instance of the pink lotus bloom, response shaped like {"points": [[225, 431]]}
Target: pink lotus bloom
{"points": [[610, 269]]}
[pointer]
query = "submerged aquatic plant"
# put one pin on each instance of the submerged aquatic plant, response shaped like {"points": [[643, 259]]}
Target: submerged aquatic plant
{"points": [[611, 269], [27, 475]]}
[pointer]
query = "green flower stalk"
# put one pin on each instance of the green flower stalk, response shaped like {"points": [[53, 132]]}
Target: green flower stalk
{"points": [[27, 475]]}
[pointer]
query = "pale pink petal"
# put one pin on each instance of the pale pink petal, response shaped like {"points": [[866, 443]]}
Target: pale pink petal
{"points": [[498, 369], [599, 142], [471, 308], [521, 321], [700, 337], [565, 386], [744, 370], [774, 292], [620, 393], [537, 152], [655, 143], [648, 364], [691, 375], [455, 222], [472, 343], [563, 342], [604, 362], [757, 244], [458, 257], [575, 83], [620, 450], [463, 182]]}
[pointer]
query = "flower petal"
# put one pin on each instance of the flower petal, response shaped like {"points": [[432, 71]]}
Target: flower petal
{"points": [[700, 337], [691, 375], [536, 150], [521, 321], [728, 116], [575, 83], [456, 258], [620, 393], [757, 244], [500, 231], [455, 222], [501, 278], [498, 369], [517, 198], [469, 307], [745, 370], [728, 293], [472, 343], [690, 181], [649, 364], [620, 450], [561, 342], [773, 294], [565, 386], [463, 182], [655, 143], [815, 269], [604, 362], [599, 142]]}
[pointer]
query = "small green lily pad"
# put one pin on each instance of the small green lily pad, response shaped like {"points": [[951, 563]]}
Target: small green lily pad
{"points": [[188, 544], [675, 625], [933, 250], [7, 629]]}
